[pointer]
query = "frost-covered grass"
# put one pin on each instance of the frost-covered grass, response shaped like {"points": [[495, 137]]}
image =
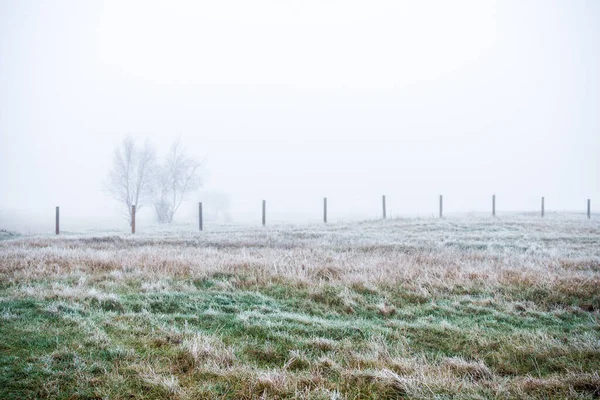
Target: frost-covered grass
{"points": [[455, 308]]}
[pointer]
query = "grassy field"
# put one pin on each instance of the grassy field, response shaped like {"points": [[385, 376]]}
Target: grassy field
{"points": [[454, 308]]}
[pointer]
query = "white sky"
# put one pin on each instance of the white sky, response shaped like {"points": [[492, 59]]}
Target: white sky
{"points": [[295, 100]]}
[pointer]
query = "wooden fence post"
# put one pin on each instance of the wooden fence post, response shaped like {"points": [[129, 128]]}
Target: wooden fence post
{"points": [[57, 224], [200, 215], [542, 207], [589, 210], [383, 205], [493, 205], [441, 206], [264, 212], [133, 218], [325, 209]]}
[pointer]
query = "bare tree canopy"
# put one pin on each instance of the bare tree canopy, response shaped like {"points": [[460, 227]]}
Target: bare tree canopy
{"points": [[176, 177], [130, 180]]}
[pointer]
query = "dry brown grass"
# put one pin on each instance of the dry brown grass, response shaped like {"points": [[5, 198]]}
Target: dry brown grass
{"points": [[546, 260]]}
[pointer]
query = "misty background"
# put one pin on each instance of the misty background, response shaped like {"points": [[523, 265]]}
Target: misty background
{"points": [[291, 101]]}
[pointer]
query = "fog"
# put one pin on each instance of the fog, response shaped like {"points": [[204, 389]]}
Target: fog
{"points": [[291, 101]]}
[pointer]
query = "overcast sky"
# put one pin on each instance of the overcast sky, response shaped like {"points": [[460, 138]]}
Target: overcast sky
{"points": [[295, 100]]}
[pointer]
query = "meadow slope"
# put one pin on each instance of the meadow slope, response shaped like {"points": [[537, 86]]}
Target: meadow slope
{"points": [[408, 308]]}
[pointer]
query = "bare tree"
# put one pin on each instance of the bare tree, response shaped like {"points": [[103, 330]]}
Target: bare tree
{"points": [[130, 180], [176, 177], [218, 205]]}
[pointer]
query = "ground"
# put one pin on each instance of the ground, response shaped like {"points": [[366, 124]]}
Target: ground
{"points": [[468, 307]]}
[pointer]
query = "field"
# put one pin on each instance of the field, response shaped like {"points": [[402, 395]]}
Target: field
{"points": [[466, 307]]}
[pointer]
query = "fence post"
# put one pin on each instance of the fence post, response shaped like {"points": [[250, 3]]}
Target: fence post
{"points": [[589, 209], [133, 218], [542, 207], [441, 206], [383, 205], [200, 215], [57, 224], [325, 209], [493, 205], [264, 212]]}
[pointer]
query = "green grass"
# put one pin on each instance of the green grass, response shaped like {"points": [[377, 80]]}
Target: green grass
{"points": [[89, 348]]}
